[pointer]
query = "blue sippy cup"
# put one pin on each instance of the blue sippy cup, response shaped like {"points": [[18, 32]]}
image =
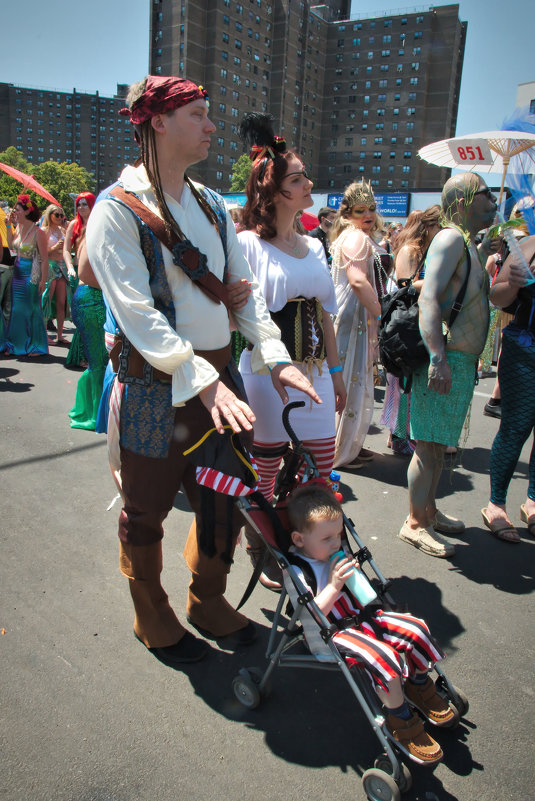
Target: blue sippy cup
{"points": [[357, 583]]}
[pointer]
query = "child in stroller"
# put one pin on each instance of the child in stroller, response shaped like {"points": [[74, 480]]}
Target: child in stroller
{"points": [[340, 633], [374, 638]]}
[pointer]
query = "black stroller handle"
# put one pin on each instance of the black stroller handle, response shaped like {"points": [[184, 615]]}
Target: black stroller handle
{"points": [[286, 422]]}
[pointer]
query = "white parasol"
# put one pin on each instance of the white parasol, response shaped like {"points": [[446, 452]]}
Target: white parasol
{"points": [[490, 151]]}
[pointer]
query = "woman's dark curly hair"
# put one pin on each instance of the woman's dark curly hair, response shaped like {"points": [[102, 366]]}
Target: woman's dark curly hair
{"points": [[267, 173]]}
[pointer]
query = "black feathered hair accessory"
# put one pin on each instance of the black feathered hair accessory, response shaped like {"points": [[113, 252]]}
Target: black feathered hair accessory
{"points": [[256, 130]]}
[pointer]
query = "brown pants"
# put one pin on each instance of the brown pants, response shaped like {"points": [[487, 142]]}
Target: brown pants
{"points": [[149, 488]]}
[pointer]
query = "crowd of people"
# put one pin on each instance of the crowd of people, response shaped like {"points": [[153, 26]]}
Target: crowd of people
{"points": [[158, 277]]}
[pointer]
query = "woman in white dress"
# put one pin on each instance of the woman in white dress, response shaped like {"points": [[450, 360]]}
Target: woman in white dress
{"points": [[294, 278], [358, 268]]}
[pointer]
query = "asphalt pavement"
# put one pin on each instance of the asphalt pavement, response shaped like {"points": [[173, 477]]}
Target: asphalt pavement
{"points": [[87, 714]]}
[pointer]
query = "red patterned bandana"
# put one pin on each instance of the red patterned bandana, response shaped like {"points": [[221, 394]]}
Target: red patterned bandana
{"points": [[161, 95]]}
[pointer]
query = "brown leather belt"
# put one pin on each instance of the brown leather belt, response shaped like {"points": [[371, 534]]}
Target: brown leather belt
{"points": [[136, 363]]}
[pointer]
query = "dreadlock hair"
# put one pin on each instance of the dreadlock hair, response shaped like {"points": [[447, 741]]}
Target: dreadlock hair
{"points": [[268, 171], [146, 139]]}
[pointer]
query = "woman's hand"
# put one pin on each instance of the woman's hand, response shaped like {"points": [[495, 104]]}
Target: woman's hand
{"points": [[288, 375], [340, 392], [517, 275], [340, 571], [238, 293]]}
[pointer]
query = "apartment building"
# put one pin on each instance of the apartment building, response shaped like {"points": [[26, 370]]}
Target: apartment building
{"points": [[45, 124], [356, 97]]}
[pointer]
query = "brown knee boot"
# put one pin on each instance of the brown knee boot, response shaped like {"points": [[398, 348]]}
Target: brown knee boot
{"points": [[155, 623], [207, 607]]}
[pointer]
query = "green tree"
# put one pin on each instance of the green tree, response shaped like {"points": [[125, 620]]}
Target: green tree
{"points": [[240, 173], [60, 179], [9, 187], [64, 179]]}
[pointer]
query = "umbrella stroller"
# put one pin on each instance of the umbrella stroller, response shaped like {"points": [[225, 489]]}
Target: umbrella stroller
{"points": [[306, 640]]}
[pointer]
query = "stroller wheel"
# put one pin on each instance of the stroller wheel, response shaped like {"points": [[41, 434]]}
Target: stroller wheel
{"points": [[380, 786], [404, 782], [246, 687], [459, 700]]}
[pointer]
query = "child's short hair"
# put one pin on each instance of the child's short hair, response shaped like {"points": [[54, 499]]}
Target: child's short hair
{"points": [[312, 503]]}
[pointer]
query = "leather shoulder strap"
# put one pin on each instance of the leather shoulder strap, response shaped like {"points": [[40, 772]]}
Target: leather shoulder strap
{"points": [[189, 256], [458, 303]]}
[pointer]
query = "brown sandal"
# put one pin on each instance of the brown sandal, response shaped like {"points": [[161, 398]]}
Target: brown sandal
{"points": [[501, 529]]}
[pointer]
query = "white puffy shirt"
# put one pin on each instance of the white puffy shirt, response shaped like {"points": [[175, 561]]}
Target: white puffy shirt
{"points": [[116, 257], [282, 277]]}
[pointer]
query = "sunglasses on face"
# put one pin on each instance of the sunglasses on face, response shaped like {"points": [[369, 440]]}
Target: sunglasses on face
{"points": [[82, 203], [58, 214], [486, 192]]}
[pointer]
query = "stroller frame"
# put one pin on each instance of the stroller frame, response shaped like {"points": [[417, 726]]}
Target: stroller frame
{"points": [[390, 776]]}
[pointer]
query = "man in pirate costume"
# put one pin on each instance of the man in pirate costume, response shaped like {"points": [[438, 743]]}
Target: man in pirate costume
{"points": [[162, 248]]}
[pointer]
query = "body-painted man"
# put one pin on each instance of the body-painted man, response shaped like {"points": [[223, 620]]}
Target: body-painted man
{"points": [[441, 394]]}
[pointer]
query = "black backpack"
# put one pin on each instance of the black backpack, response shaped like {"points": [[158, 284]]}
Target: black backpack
{"points": [[401, 347]]}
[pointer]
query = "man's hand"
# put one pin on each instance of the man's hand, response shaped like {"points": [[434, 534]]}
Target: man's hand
{"points": [[286, 375], [224, 406], [439, 377], [238, 293], [490, 245]]}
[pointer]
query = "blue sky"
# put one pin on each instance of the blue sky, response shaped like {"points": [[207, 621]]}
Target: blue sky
{"points": [[93, 46]]}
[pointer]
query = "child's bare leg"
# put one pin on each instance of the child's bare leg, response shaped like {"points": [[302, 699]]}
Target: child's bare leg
{"points": [[394, 698]]}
